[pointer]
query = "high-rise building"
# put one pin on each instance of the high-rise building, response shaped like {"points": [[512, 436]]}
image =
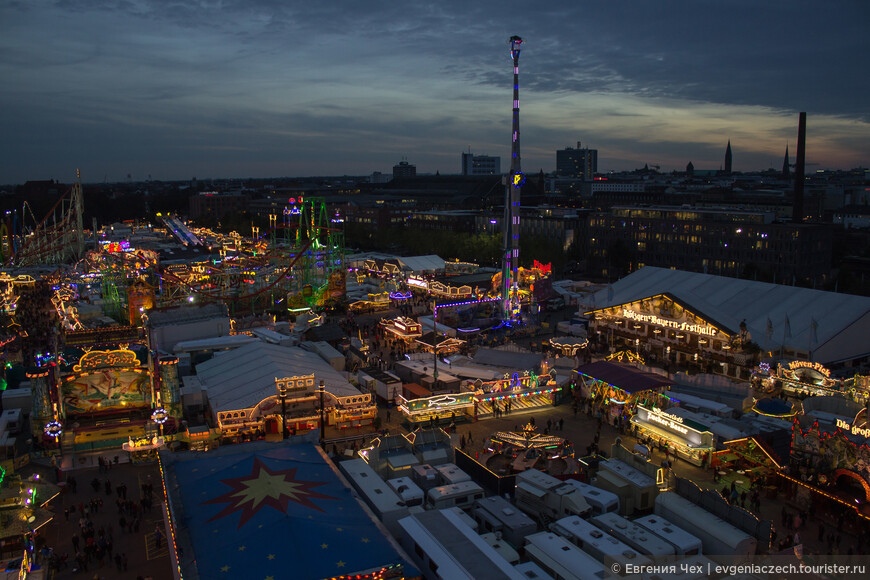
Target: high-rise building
{"points": [[404, 170], [578, 163], [480, 164]]}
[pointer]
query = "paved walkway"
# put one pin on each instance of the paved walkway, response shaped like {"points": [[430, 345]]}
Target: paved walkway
{"points": [[145, 558]]}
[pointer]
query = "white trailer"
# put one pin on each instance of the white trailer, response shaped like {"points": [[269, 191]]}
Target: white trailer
{"points": [[598, 544], [382, 500], [600, 500], [562, 559], [718, 537], [683, 542], [496, 514], [632, 534], [546, 498], [406, 489], [461, 495], [450, 473]]}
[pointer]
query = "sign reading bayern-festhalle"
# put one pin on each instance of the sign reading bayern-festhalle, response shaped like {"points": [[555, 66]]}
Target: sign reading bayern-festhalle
{"points": [[853, 429], [685, 326]]}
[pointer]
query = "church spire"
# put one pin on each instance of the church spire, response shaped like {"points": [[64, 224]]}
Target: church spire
{"points": [[786, 174], [728, 158]]}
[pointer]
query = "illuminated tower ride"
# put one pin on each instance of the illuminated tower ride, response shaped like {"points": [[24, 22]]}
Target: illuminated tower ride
{"points": [[513, 185]]}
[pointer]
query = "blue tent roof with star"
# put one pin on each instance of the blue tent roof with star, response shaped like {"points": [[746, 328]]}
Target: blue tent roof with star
{"points": [[261, 510]]}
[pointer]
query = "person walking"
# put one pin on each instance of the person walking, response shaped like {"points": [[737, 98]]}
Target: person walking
{"points": [[158, 537]]}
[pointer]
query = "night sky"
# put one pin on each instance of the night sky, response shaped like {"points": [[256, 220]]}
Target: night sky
{"points": [[268, 88]]}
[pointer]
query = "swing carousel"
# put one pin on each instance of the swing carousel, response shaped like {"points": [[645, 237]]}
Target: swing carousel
{"points": [[516, 451]]}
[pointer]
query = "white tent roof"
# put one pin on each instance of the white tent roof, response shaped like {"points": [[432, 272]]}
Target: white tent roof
{"points": [[843, 320], [431, 263], [243, 377]]}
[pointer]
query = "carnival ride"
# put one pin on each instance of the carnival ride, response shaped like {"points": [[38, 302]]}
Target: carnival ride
{"points": [[56, 239], [524, 449]]}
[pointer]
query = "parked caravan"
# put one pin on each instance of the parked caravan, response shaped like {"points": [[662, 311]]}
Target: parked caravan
{"points": [[425, 476], [532, 571], [600, 500], [461, 495], [632, 534], [636, 490], [718, 537], [496, 514], [504, 549], [406, 489], [684, 543], [598, 544], [466, 519], [544, 497], [387, 505], [563, 560], [450, 473], [442, 547]]}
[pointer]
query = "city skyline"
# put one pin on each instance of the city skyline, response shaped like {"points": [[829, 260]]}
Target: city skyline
{"points": [[260, 89]]}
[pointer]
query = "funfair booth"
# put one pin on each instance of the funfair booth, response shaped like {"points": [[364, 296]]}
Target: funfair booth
{"points": [[831, 463], [108, 391], [619, 386], [688, 439]]}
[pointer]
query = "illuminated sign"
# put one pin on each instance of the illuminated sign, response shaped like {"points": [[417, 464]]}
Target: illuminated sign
{"points": [[669, 421], [853, 429], [97, 359], [294, 384], [437, 403], [418, 283], [653, 319], [802, 364], [544, 268], [116, 247]]}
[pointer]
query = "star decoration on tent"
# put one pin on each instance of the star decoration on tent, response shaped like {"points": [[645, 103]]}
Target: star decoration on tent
{"points": [[265, 487]]}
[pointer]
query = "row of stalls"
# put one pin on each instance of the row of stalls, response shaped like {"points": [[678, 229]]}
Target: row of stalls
{"points": [[419, 407]]}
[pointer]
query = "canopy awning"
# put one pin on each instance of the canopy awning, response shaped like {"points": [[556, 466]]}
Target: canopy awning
{"points": [[624, 377]]}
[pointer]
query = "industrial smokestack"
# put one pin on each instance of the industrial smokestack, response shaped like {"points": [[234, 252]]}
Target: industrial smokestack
{"points": [[797, 215]]}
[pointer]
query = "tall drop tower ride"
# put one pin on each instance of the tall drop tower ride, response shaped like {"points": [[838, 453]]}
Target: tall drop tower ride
{"points": [[513, 185]]}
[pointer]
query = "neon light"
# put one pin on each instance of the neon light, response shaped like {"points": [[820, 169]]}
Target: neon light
{"points": [[798, 364], [159, 416], [53, 429], [653, 319], [854, 429]]}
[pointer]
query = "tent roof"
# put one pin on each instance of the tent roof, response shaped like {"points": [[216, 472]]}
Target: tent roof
{"points": [[624, 377], [728, 301], [241, 378], [260, 509], [430, 263]]}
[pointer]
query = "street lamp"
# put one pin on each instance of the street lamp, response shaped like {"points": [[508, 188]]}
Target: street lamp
{"points": [[320, 389]]}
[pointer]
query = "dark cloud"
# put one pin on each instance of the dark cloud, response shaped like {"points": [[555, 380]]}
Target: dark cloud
{"points": [[159, 84]]}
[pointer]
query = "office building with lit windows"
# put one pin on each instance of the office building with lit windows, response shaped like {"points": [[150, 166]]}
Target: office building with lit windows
{"points": [[480, 164], [578, 163], [726, 242]]}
